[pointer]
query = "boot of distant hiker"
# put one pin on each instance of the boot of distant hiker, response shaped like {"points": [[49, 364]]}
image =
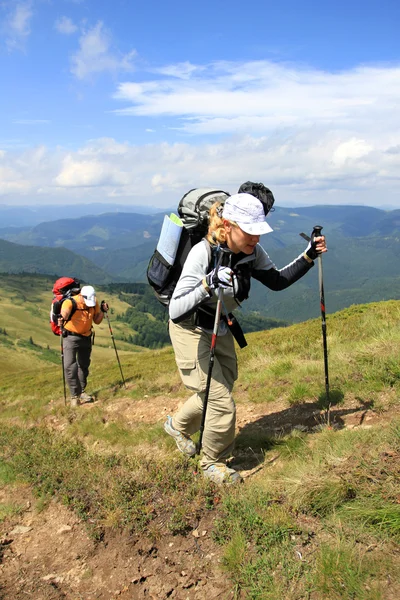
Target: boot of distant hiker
{"points": [[86, 397], [75, 401]]}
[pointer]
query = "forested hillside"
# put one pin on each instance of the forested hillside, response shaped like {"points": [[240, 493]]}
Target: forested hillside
{"points": [[15, 258], [139, 319], [362, 263]]}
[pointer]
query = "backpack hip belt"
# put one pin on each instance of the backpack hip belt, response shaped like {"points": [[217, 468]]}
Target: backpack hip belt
{"points": [[205, 320], [67, 333]]}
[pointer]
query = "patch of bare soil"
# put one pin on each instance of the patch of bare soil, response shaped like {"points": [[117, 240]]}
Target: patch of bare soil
{"points": [[273, 419], [49, 555]]}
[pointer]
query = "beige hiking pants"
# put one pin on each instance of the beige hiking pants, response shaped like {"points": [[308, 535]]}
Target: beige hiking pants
{"points": [[192, 354]]}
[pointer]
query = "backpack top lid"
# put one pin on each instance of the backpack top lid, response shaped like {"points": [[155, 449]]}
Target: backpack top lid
{"points": [[260, 191], [194, 207], [66, 285]]}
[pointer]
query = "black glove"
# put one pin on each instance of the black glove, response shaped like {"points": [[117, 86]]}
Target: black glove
{"points": [[311, 250], [104, 306]]}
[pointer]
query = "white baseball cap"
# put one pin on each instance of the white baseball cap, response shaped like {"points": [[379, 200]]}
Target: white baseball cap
{"points": [[89, 295], [248, 212]]}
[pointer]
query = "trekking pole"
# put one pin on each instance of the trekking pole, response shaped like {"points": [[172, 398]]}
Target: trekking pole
{"points": [[212, 354], [115, 348], [317, 233], [63, 372]]}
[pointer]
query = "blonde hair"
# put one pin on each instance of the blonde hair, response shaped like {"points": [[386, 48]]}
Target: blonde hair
{"points": [[216, 230]]}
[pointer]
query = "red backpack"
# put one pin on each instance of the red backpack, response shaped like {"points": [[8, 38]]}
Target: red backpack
{"points": [[63, 289]]}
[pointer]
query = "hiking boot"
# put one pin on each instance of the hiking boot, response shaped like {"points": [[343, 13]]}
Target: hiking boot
{"points": [[221, 474], [75, 401], [86, 397], [184, 443]]}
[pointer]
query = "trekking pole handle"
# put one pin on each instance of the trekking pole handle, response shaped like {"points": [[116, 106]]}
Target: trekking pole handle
{"points": [[316, 231], [224, 256]]}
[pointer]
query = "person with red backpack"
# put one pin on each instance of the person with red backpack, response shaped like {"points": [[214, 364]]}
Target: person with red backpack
{"points": [[78, 313]]}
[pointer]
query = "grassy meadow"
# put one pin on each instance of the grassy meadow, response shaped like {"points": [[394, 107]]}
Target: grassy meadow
{"points": [[318, 517]]}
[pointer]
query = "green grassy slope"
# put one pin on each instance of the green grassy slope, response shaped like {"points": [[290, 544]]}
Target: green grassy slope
{"points": [[24, 309], [320, 516], [24, 316]]}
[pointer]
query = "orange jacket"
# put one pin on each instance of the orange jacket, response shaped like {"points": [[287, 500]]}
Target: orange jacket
{"points": [[83, 318]]}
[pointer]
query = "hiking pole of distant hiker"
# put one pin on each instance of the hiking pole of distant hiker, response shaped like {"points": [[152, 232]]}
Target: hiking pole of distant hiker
{"points": [[212, 353], [62, 366], [115, 348], [317, 233]]}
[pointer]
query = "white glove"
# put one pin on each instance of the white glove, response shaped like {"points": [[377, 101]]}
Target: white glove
{"points": [[220, 278]]}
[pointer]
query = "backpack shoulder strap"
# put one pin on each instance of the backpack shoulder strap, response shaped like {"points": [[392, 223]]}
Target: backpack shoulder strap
{"points": [[74, 307], [211, 253]]}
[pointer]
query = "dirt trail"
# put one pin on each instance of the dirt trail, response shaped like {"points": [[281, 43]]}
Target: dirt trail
{"points": [[48, 554]]}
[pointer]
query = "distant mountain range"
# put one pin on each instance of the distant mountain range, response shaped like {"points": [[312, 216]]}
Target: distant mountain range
{"points": [[29, 216], [15, 258], [362, 265]]}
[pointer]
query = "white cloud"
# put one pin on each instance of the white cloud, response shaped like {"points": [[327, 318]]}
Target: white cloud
{"points": [[65, 25], [78, 172], [31, 121], [95, 54], [305, 168], [17, 25], [351, 150], [12, 181], [262, 96], [181, 70], [314, 137]]}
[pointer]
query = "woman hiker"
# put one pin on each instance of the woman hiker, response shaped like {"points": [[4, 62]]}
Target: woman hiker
{"points": [[236, 226]]}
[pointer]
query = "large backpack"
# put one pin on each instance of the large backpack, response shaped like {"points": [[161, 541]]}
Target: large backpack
{"points": [[193, 210], [63, 288]]}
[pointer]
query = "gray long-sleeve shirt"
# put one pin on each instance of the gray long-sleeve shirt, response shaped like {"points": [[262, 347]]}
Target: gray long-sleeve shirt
{"points": [[190, 293]]}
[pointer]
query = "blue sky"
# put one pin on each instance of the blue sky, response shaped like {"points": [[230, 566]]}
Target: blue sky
{"points": [[136, 102]]}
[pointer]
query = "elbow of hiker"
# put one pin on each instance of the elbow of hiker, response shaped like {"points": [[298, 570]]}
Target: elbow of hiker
{"points": [[175, 314]]}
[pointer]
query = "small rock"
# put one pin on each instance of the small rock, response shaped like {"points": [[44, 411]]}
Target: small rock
{"points": [[300, 427], [195, 533], [64, 529], [203, 533], [20, 529], [49, 577]]}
